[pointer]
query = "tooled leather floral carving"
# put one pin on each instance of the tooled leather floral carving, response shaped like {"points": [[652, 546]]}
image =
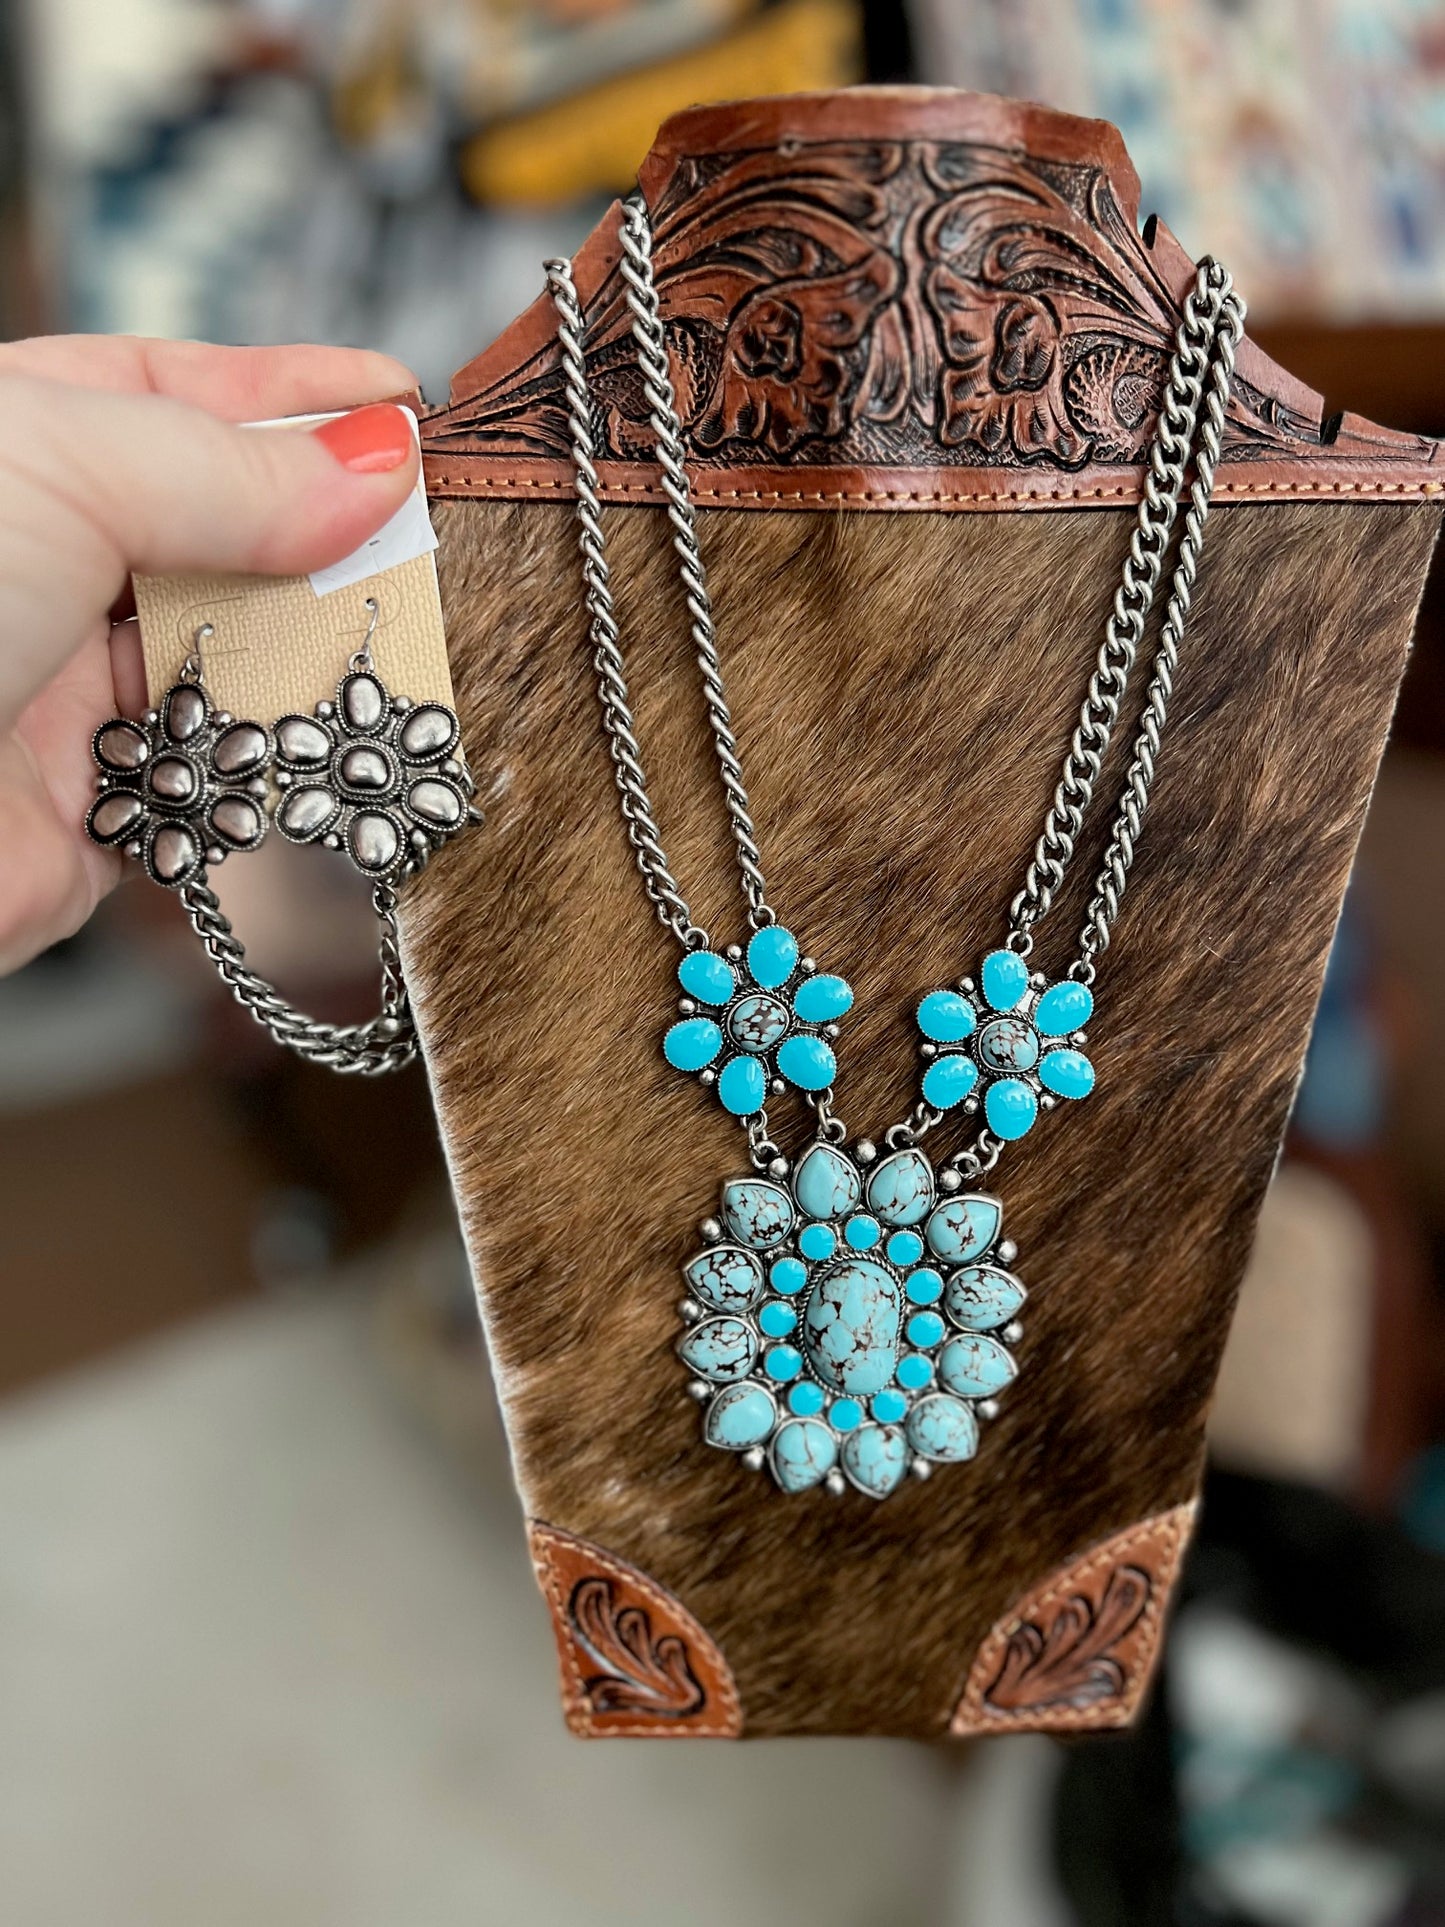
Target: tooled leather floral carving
{"points": [[637, 1673], [1068, 1660], [634, 1661], [1075, 1651], [911, 303]]}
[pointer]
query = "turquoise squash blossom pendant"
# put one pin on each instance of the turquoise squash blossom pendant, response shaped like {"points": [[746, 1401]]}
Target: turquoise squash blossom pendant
{"points": [[851, 1323], [1014, 1044], [752, 1024]]}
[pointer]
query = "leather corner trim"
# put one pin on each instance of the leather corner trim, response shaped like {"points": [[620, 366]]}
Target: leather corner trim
{"points": [[1076, 1652], [634, 1662]]}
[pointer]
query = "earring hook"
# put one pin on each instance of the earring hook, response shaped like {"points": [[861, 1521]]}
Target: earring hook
{"points": [[193, 669], [362, 658]]}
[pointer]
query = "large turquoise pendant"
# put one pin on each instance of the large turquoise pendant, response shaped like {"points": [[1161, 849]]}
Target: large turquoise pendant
{"points": [[849, 1323], [1011, 1043], [753, 1023]]}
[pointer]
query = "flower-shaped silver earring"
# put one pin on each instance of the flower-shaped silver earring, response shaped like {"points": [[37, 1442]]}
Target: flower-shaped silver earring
{"points": [[373, 774], [183, 788]]}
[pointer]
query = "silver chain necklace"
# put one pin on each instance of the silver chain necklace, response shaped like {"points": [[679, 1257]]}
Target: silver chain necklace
{"points": [[850, 1316]]}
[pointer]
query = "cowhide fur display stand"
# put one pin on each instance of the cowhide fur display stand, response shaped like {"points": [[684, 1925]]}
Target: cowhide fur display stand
{"points": [[918, 341]]}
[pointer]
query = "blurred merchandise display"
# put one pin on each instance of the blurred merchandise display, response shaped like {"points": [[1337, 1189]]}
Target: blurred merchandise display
{"points": [[383, 173], [1263, 130]]}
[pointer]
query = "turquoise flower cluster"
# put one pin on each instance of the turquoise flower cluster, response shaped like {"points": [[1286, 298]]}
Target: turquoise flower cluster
{"points": [[1017, 1043], [749, 1026], [852, 1323]]}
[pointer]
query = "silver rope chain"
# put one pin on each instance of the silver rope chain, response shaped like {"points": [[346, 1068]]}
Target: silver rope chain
{"points": [[1189, 436]]}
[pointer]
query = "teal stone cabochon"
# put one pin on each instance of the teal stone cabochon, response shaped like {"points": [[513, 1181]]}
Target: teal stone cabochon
{"points": [[1010, 1045], [752, 1022], [851, 1320]]}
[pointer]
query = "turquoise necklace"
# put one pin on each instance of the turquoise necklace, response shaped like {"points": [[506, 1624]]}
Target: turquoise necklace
{"points": [[853, 1315]]}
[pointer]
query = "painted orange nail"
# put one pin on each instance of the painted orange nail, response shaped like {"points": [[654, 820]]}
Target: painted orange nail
{"points": [[371, 440]]}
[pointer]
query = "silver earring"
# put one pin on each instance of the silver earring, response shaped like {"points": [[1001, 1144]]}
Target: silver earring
{"points": [[373, 774], [185, 787]]}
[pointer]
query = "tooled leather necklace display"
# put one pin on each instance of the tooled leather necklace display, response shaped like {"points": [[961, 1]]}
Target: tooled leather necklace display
{"points": [[853, 1314]]}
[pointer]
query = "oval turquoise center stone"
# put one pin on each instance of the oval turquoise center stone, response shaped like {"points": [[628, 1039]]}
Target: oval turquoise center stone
{"points": [[757, 1022], [850, 1326], [1008, 1045]]}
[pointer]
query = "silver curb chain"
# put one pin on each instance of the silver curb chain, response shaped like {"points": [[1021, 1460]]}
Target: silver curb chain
{"points": [[387, 1042]]}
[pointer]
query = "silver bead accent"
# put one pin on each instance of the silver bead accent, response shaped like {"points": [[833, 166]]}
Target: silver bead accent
{"points": [[777, 1086], [1007, 1252], [686, 1006], [921, 1469], [710, 1229], [966, 984], [1038, 979], [1014, 1332], [707, 1077], [779, 1168], [689, 1308], [1047, 1101], [988, 1408], [865, 1150], [807, 965], [830, 1030], [699, 1389], [949, 1180], [836, 1483], [970, 1106], [755, 1458], [734, 952], [1078, 1039]]}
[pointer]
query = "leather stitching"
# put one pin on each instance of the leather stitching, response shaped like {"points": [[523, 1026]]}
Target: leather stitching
{"points": [[972, 1712], [578, 1712]]}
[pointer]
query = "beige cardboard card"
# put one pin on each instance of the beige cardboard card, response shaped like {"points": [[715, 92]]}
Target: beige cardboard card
{"points": [[281, 644]]}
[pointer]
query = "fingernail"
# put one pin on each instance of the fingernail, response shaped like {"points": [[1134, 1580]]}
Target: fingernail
{"points": [[369, 441]]}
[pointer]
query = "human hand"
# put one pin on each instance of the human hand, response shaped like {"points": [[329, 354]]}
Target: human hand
{"points": [[118, 454]]}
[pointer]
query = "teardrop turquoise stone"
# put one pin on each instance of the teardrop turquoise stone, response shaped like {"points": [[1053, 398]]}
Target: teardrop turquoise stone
{"points": [[707, 976], [946, 1017], [720, 1348], [821, 999], [740, 1416], [1010, 1107], [949, 1080], [742, 1082], [756, 1212], [826, 1184], [692, 1044], [981, 1297], [1064, 1007], [975, 1367], [772, 955], [804, 1453], [901, 1192], [963, 1229], [943, 1428], [1005, 978], [1068, 1073], [876, 1460], [807, 1062]]}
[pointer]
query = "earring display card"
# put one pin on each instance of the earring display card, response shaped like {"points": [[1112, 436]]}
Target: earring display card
{"points": [[279, 644]]}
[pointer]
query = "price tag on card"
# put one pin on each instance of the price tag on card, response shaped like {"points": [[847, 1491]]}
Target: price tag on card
{"points": [[280, 645]]}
